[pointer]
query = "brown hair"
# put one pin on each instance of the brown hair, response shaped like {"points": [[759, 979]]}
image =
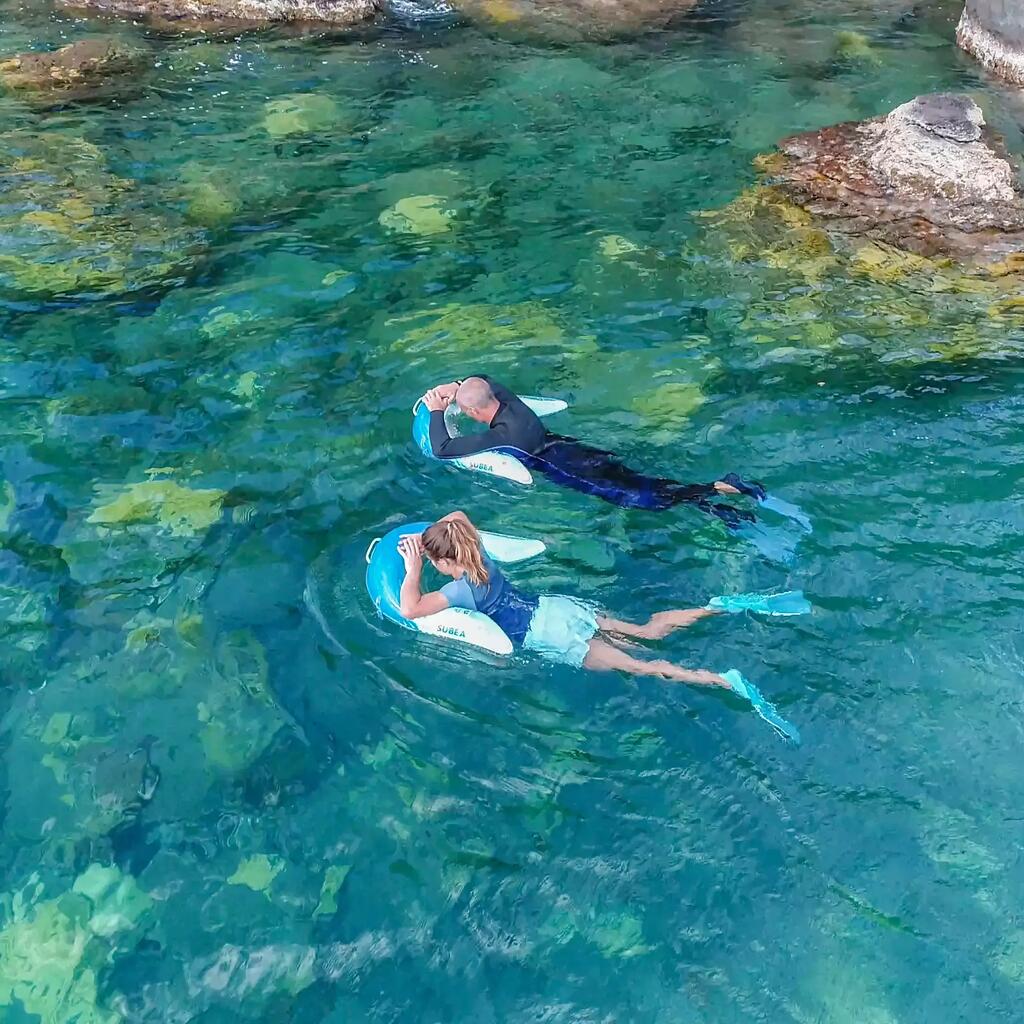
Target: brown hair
{"points": [[458, 541]]}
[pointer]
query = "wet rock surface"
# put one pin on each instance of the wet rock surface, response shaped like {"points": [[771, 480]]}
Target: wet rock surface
{"points": [[77, 69], [927, 179], [992, 31], [576, 18], [203, 13]]}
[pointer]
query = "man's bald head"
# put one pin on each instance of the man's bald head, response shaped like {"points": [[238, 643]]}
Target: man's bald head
{"points": [[476, 399]]}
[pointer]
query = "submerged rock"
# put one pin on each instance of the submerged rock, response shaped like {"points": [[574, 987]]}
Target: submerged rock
{"points": [[254, 12], [68, 225], [301, 114], [925, 179], [992, 31], [456, 330], [184, 511], [52, 950], [576, 17], [78, 69], [418, 215]]}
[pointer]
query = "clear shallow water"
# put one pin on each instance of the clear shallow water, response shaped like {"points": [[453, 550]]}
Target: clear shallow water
{"points": [[231, 793]]}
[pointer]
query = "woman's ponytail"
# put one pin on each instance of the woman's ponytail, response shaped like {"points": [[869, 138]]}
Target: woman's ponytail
{"points": [[457, 541], [468, 555]]}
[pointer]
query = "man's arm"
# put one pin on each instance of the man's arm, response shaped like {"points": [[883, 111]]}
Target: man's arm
{"points": [[444, 446]]}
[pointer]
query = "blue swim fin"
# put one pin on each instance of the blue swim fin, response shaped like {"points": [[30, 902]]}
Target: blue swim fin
{"points": [[745, 688], [787, 509], [774, 543], [792, 602], [756, 490]]}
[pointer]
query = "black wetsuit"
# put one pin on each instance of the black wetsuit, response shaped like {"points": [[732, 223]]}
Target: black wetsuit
{"points": [[517, 430], [514, 425]]}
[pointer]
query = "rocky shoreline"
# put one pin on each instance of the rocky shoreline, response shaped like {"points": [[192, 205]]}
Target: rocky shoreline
{"points": [[928, 179], [558, 18], [234, 13]]}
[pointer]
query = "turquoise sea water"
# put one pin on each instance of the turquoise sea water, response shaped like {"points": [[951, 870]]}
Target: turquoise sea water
{"points": [[231, 793]]}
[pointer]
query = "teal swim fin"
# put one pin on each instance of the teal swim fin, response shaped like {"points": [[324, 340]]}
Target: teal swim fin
{"points": [[792, 602], [745, 688], [787, 509]]}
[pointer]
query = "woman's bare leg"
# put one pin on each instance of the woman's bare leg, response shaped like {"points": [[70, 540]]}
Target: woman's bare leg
{"points": [[604, 657], [659, 625]]}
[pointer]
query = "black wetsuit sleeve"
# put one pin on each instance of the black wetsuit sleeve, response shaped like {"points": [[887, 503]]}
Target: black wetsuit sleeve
{"points": [[444, 446]]}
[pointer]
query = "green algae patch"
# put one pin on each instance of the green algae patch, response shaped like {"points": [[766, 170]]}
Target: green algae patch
{"points": [[208, 204], [247, 386], [855, 47], [299, 114], [464, 330], [886, 264], [50, 950], [210, 194], [56, 728], [618, 934], [670, 405], [257, 872], [334, 877], [804, 290], [418, 215], [501, 12], [615, 247], [117, 901], [1008, 959], [41, 968], [8, 502], [221, 322], [182, 510]]}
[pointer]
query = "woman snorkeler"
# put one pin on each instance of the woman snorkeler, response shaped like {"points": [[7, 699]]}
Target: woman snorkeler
{"points": [[565, 629]]}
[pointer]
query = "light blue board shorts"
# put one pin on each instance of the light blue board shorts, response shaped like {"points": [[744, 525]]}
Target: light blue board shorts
{"points": [[561, 629]]}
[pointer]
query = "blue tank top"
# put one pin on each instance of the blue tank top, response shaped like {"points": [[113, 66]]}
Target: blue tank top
{"points": [[507, 605]]}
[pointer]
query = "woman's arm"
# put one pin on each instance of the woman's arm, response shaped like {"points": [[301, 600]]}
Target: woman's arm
{"points": [[413, 603]]}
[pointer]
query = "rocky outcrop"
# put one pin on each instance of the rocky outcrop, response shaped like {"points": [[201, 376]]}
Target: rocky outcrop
{"points": [[992, 31], [203, 13], [925, 179], [86, 66], [575, 18]]}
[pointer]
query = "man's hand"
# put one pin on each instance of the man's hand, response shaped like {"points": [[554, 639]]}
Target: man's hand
{"points": [[435, 401], [448, 391], [410, 547]]}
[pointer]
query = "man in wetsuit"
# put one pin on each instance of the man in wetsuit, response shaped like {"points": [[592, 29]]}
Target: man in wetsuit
{"points": [[515, 428]]}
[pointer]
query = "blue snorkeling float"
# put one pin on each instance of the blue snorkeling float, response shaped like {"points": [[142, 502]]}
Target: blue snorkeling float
{"points": [[385, 572], [497, 463]]}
